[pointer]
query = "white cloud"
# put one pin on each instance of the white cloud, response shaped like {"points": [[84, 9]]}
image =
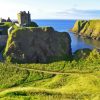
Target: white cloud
{"points": [[80, 14]]}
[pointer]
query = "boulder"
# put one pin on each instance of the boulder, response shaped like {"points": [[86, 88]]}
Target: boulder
{"points": [[37, 44]]}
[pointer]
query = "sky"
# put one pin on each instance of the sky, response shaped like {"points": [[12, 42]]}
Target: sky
{"points": [[51, 9]]}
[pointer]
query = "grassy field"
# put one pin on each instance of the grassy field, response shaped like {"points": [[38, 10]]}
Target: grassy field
{"points": [[63, 80]]}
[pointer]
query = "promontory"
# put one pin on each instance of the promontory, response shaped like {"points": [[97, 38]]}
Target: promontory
{"points": [[37, 44], [87, 28]]}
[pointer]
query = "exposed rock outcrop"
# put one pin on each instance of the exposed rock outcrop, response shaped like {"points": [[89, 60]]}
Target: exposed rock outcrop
{"points": [[89, 29], [37, 45]]}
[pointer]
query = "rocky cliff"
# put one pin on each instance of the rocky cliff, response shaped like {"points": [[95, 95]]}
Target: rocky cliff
{"points": [[37, 45], [90, 29]]}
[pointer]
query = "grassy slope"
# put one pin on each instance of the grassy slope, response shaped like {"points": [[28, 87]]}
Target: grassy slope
{"points": [[89, 28], [76, 80]]}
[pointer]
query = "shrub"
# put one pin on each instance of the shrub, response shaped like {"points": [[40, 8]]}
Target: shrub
{"points": [[81, 53], [94, 57], [33, 24]]}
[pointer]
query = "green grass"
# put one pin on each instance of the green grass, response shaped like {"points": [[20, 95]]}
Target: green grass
{"points": [[5, 26], [63, 80]]}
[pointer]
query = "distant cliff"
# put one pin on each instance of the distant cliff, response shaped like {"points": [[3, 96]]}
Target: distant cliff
{"points": [[37, 45], [89, 29]]}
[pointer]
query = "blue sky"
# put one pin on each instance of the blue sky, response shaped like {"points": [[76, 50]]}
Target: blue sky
{"points": [[52, 9]]}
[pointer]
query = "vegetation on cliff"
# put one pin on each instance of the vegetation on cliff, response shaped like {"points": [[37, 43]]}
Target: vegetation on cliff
{"points": [[81, 53], [6, 24], [33, 24], [90, 29]]}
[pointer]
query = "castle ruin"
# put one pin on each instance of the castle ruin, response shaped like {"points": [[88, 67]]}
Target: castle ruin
{"points": [[24, 19]]}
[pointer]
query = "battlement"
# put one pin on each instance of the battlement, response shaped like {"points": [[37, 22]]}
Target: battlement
{"points": [[23, 13]]}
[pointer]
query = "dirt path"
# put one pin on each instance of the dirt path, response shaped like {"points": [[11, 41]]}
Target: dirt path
{"points": [[54, 72]]}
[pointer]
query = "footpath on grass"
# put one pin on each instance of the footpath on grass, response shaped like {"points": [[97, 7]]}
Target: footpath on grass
{"points": [[55, 72]]}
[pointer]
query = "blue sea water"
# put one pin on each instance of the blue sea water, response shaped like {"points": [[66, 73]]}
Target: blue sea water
{"points": [[65, 26]]}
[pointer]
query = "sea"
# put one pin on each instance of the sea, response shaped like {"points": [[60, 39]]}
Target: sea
{"points": [[77, 42]]}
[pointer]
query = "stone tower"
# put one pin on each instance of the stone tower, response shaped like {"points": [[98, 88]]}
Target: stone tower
{"points": [[24, 18]]}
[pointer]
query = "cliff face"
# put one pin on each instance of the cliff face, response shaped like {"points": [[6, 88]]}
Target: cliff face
{"points": [[4, 27], [37, 44], [90, 29]]}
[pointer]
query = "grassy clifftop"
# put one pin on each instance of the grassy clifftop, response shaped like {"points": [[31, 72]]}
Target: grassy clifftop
{"points": [[90, 29]]}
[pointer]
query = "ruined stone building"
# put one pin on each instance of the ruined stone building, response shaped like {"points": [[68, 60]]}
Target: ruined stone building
{"points": [[24, 19], [9, 20], [4, 20]]}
